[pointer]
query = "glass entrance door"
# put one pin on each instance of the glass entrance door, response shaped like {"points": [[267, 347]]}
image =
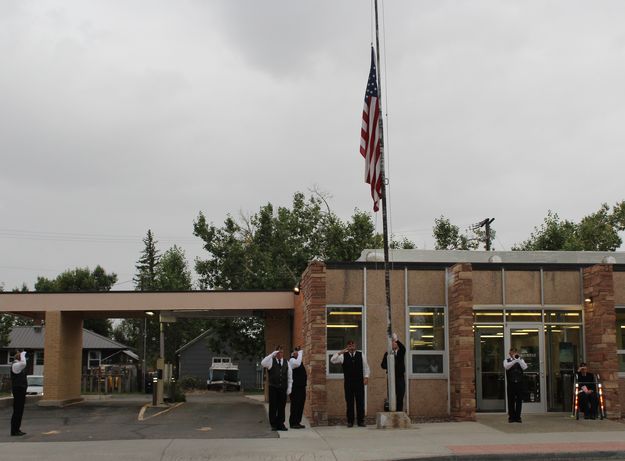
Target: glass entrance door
{"points": [[490, 377], [528, 339]]}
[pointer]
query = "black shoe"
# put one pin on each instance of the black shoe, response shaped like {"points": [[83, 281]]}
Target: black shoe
{"points": [[350, 424], [510, 420], [362, 425], [18, 433], [282, 428], [297, 426], [518, 420], [274, 428]]}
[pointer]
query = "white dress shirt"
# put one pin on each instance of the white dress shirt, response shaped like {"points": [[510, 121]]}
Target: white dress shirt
{"points": [[337, 359], [267, 362], [19, 365]]}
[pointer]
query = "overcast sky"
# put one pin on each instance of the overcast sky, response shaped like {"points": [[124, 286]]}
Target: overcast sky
{"points": [[121, 116]]}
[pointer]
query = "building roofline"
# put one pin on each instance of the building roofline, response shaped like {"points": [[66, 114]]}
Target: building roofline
{"points": [[193, 341], [450, 257]]}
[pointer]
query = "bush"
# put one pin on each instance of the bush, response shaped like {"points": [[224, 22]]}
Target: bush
{"points": [[189, 382], [179, 395]]}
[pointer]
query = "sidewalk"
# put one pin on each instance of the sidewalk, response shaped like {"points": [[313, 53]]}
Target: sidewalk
{"points": [[540, 436], [544, 436]]}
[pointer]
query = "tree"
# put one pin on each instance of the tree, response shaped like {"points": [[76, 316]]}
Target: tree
{"points": [[133, 332], [145, 278], [173, 272], [8, 321], [169, 272], [595, 232], [82, 279], [448, 236], [271, 249]]}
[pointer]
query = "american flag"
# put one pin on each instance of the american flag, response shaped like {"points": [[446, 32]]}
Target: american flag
{"points": [[370, 136]]}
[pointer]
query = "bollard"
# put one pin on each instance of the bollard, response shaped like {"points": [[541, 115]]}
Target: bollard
{"points": [[154, 387]]}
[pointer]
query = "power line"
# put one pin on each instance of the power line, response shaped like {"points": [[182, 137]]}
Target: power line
{"points": [[21, 234]]}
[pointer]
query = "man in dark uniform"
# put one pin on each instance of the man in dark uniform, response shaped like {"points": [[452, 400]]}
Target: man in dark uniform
{"points": [[19, 384], [399, 354], [514, 366], [280, 382], [298, 391], [355, 378], [587, 392]]}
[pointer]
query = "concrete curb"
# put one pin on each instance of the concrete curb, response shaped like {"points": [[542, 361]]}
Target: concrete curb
{"points": [[559, 456], [8, 401]]}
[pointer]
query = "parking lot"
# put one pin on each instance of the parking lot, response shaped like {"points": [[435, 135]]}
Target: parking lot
{"points": [[209, 415]]}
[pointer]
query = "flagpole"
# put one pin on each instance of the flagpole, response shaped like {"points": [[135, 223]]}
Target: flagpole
{"points": [[390, 362]]}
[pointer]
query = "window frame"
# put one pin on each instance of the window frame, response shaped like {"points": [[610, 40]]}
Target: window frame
{"points": [[330, 352], [438, 352], [89, 359], [620, 352]]}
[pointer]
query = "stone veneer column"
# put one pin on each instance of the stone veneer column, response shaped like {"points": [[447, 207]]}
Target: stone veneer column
{"points": [[461, 343], [313, 289], [600, 333], [63, 359]]}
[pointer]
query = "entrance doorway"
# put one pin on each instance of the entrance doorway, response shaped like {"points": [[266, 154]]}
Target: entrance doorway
{"points": [[529, 343], [550, 341]]}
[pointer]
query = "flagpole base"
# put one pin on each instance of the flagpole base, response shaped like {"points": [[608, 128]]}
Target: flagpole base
{"points": [[392, 420]]}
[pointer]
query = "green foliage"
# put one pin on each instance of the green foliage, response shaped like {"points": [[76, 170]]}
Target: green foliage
{"points": [[82, 279], [145, 278], [6, 325], [403, 244], [595, 232], [269, 251], [243, 336], [178, 395], [79, 279], [8, 321], [448, 236], [169, 272], [173, 272], [187, 383]]}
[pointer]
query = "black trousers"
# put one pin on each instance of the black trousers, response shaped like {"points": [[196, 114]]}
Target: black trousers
{"points": [[588, 404], [515, 400], [298, 399], [400, 392], [19, 399], [277, 402], [355, 393]]}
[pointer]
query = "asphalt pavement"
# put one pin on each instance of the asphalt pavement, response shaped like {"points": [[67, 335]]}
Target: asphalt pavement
{"points": [[217, 426]]}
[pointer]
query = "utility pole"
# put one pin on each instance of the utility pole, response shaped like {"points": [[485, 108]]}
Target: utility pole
{"points": [[486, 223]]}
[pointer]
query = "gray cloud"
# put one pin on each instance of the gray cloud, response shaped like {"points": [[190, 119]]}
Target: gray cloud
{"points": [[116, 118]]}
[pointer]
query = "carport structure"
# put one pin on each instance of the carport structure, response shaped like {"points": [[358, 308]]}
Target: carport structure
{"points": [[63, 314]]}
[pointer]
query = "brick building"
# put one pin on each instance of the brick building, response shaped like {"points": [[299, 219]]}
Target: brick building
{"points": [[458, 312]]}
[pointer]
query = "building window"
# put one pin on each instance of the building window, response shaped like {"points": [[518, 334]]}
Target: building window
{"points": [[342, 324], [427, 340], [39, 358], [620, 338], [94, 359], [4, 357]]}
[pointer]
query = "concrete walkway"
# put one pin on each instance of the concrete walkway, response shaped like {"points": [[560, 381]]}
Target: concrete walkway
{"points": [[545, 436]]}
